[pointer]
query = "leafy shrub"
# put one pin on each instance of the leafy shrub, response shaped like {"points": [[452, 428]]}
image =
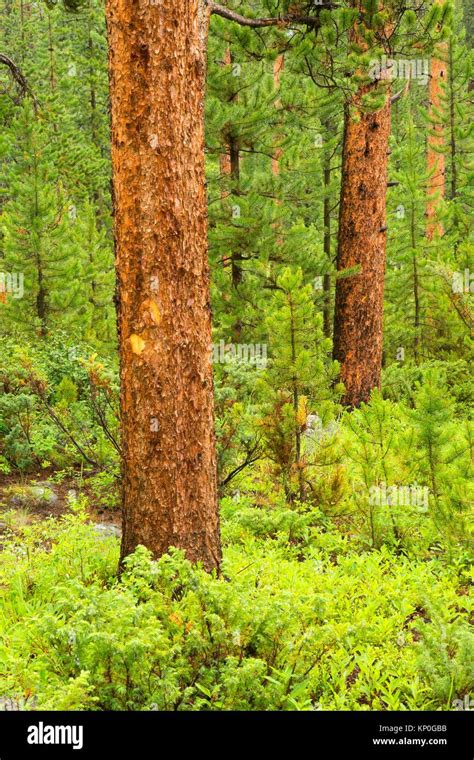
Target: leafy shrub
{"points": [[326, 627], [58, 406]]}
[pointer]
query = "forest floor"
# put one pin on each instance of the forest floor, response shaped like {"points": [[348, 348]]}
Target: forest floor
{"points": [[39, 495], [306, 615]]}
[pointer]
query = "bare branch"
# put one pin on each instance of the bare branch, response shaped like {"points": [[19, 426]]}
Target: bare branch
{"points": [[252, 455], [401, 93], [458, 300], [258, 23], [19, 78]]}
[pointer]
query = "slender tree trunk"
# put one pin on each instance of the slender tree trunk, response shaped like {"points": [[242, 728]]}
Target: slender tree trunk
{"points": [[22, 31], [296, 403], [52, 72], [327, 248], [230, 167], [358, 322], [436, 159], [278, 67], [97, 194], [157, 64], [225, 157], [235, 258], [452, 125], [416, 284], [42, 307], [235, 176]]}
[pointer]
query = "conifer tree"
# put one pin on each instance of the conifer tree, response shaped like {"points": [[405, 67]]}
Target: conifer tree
{"points": [[34, 228], [298, 378], [358, 325], [443, 462], [406, 311]]}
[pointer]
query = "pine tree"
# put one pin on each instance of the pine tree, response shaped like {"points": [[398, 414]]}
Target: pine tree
{"points": [[358, 326], [35, 231], [445, 464], [407, 273], [298, 378]]}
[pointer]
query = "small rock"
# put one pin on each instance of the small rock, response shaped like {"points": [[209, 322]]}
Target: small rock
{"points": [[45, 495], [30, 496], [108, 529]]}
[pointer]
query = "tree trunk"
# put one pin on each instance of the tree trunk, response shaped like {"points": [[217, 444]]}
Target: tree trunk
{"points": [[358, 322], [278, 66], [416, 284], [436, 159], [327, 248], [230, 168], [235, 176], [452, 125], [157, 64]]}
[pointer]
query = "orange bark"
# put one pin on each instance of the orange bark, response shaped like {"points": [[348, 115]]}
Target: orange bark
{"points": [[436, 160], [157, 64], [358, 323]]}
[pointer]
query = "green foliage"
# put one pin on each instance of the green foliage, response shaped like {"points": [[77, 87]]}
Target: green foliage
{"points": [[296, 385], [445, 458], [56, 407], [339, 630], [390, 449], [347, 536], [55, 210]]}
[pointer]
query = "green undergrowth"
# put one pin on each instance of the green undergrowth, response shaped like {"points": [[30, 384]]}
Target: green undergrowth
{"points": [[312, 622]]}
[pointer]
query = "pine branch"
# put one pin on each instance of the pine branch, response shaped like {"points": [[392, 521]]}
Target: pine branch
{"points": [[258, 23], [460, 304], [19, 78]]}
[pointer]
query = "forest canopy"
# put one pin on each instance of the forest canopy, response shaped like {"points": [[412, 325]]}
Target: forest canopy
{"points": [[236, 337]]}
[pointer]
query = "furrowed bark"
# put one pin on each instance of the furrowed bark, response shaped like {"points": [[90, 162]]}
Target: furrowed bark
{"points": [[157, 80], [358, 323]]}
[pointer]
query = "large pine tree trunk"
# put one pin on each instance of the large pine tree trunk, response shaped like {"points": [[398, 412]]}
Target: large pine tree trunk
{"points": [[358, 323], [157, 80]]}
